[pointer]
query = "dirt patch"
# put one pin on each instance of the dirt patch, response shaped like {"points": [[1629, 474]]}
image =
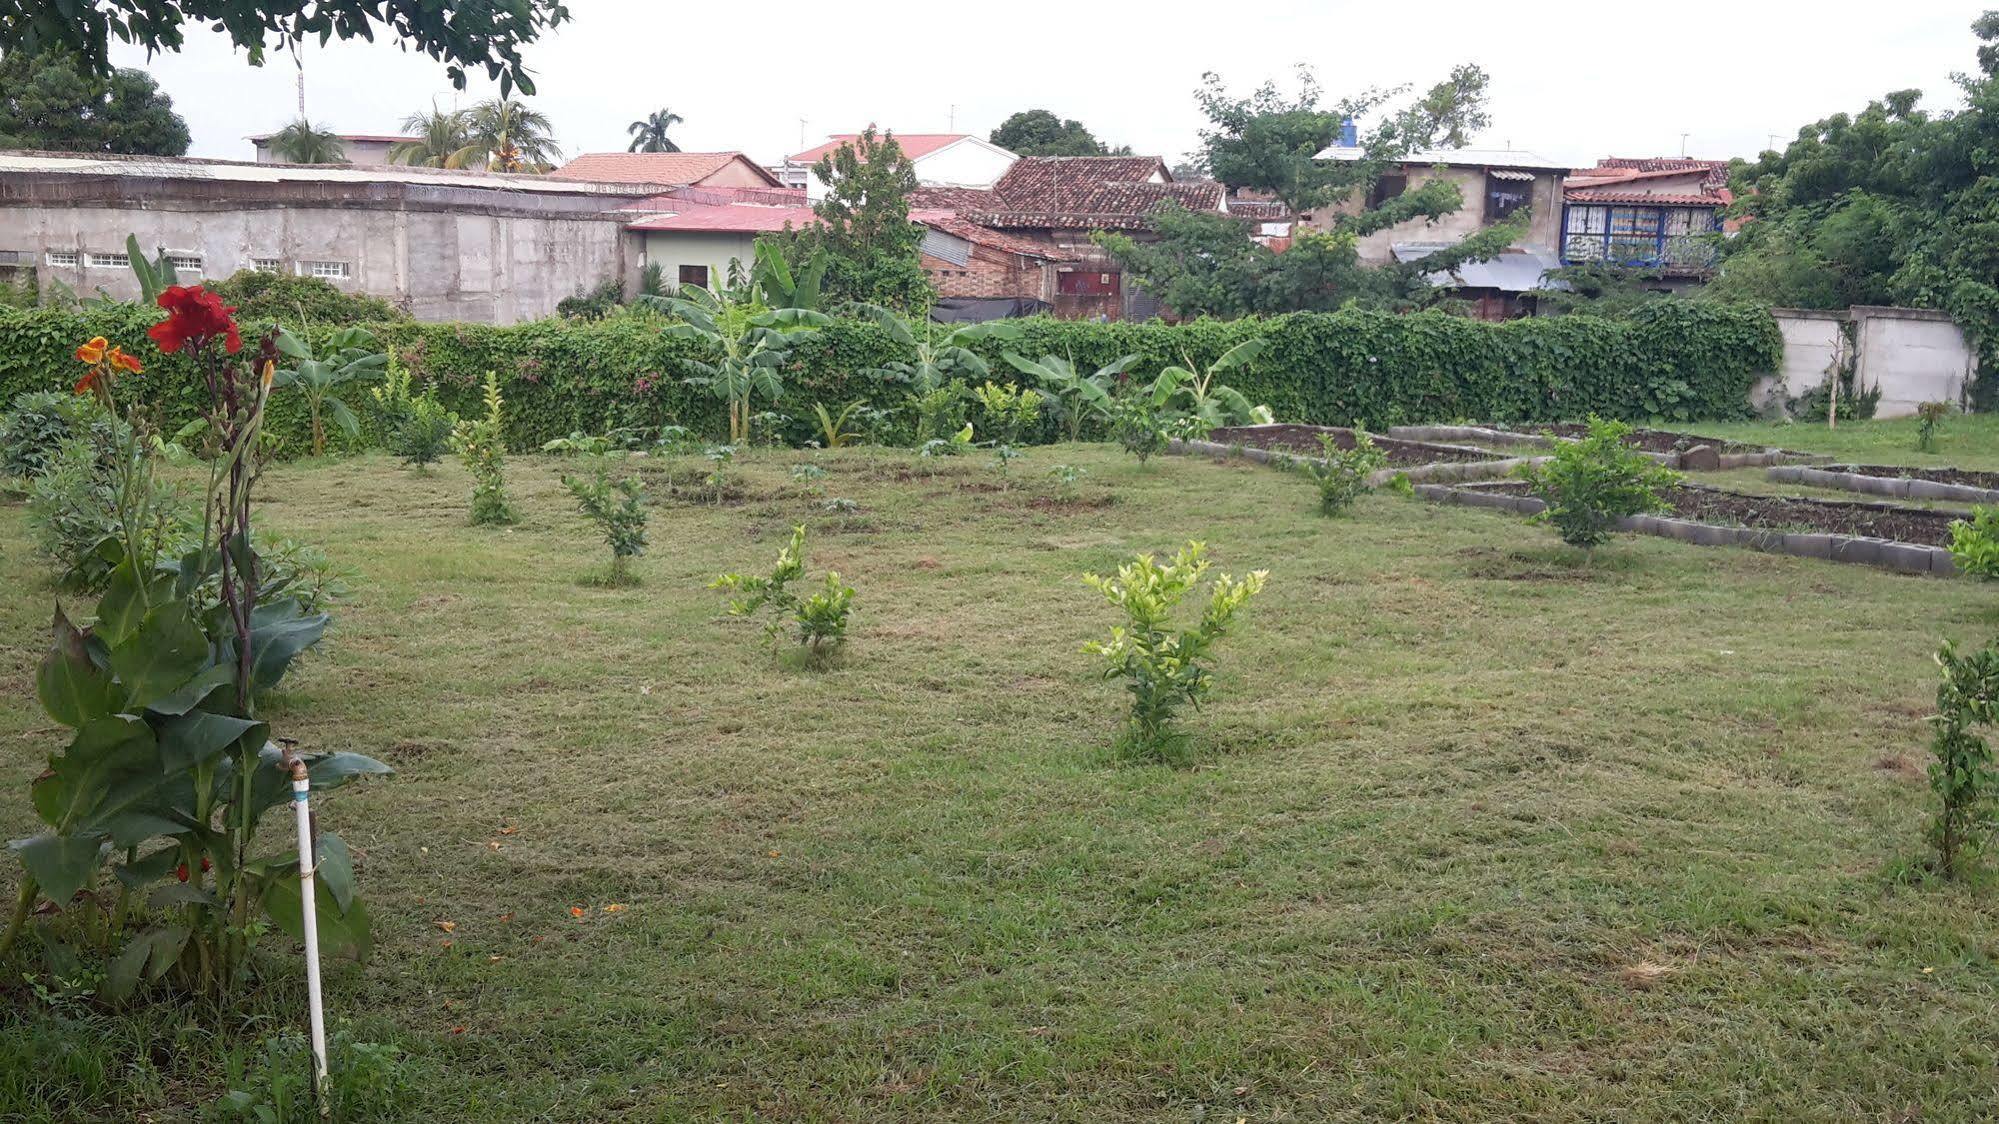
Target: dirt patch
{"points": [[1793, 513], [1650, 440], [1933, 475], [1079, 503], [1305, 439]]}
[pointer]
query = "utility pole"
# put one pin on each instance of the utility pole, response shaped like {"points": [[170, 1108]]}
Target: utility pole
{"points": [[1683, 146], [952, 120]]}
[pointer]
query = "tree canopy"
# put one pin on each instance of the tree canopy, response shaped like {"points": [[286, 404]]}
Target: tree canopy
{"points": [[873, 251], [488, 34], [48, 102], [303, 142], [1038, 132], [1890, 205], [649, 134]]}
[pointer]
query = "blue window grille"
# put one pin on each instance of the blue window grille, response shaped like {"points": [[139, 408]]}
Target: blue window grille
{"points": [[1660, 237]]}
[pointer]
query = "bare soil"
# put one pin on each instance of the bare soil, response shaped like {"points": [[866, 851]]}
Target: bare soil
{"points": [[1934, 475], [1305, 439], [1795, 513], [1650, 440]]}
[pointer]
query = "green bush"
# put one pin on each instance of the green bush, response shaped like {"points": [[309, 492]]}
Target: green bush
{"points": [[1591, 484], [1974, 543], [1962, 776], [299, 302], [1679, 361], [820, 618], [1341, 474], [34, 429]]}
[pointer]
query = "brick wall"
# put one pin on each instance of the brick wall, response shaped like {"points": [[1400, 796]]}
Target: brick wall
{"points": [[989, 273]]}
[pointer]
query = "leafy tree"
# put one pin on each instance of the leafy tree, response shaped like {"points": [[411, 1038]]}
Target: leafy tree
{"points": [[302, 142], [440, 136], [649, 133], [1592, 483], [1888, 205], [258, 294], [506, 136], [48, 102], [873, 250], [485, 36], [1602, 288], [1037, 132]]}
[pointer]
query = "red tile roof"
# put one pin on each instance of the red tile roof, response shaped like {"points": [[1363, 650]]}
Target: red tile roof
{"points": [[1654, 198], [736, 218], [950, 222], [1626, 178], [914, 145], [654, 167], [1111, 192]]}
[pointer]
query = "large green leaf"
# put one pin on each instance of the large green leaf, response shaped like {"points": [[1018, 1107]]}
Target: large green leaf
{"points": [[161, 947], [195, 691], [162, 654], [61, 864], [340, 931], [73, 689], [334, 867], [104, 752], [195, 737], [126, 600]]}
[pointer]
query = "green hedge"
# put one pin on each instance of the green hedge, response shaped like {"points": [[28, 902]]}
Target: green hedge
{"points": [[1675, 361]]}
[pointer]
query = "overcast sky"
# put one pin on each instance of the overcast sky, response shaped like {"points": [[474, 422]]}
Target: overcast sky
{"points": [[1570, 83]]}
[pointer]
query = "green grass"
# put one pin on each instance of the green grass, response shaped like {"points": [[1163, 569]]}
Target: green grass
{"points": [[1476, 830]]}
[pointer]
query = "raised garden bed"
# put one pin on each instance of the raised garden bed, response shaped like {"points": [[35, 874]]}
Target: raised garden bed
{"points": [[1898, 538], [1950, 485], [1689, 451]]}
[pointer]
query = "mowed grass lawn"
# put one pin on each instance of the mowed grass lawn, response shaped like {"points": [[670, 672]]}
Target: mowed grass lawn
{"points": [[1475, 831]]}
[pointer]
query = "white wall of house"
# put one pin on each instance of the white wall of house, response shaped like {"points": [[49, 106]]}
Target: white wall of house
{"points": [[712, 249], [1912, 355], [970, 162], [1543, 234]]}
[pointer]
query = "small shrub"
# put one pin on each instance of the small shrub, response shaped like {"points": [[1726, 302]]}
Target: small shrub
{"points": [[1341, 474], [820, 618], [1927, 416], [1962, 776], [1974, 544], [1067, 477], [1139, 425], [1010, 411], [34, 430], [77, 514], [297, 301], [618, 508], [721, 457], [423, 435], [833, 428], [482, 448], [1163, 667], [1592, 483]]}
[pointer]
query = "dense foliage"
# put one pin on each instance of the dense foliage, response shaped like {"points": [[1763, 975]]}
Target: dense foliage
{"points": [[1679, 360], [48, 102], [299, 302], [1037, 132], [873, 250], [1342, 474], [486, 36], [1891, 205]]}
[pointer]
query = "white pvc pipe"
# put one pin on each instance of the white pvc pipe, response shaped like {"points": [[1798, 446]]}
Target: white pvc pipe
{"points": [[316, 1011]]}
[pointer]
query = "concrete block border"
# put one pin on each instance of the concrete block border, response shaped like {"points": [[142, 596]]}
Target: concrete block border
{"points": [[1695, 458], [1898, 487], [1903, 557], [1453, 471]]}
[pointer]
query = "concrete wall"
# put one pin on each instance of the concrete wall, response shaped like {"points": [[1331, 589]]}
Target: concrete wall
{"points": [[1543, 229], [356, 151], [1912, 355], [441, 265], [714, 249]]}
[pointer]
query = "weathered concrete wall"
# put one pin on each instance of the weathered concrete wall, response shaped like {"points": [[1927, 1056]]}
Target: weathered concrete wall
{"points": [[1913, 355], [440, 264]]}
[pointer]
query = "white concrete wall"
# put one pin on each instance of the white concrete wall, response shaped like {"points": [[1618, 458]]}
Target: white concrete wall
{"points": [[1812, 337], [968, 163], [673, 249], [441, 265], [1913, 355]]}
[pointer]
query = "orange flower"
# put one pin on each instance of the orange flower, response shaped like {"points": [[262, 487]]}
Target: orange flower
{"points": [[123, 362], [88, 382], [93, 352], [575, 911]]}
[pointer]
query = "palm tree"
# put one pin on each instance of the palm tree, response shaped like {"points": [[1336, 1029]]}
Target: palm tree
{"points": [[301, 142], [439, 136], [649, 135], [505, 135]]}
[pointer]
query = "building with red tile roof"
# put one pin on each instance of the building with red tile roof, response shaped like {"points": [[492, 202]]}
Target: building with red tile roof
{"points": [[1662, 213], [668, 169], [939, 160]]}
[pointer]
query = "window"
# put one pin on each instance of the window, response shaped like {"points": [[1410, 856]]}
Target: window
{"points": [[185, 263], [268, 265], [1506, 191], [330, 270], [107, 261], [694, 275], [1385, 188], [63, 259]]}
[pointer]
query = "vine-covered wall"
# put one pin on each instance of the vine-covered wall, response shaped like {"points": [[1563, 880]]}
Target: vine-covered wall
{"points": [[1675, 361]]}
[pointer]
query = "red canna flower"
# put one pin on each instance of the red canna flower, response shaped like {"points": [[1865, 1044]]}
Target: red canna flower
{"points": [[180, 872], [88, 382], [194, 316]]}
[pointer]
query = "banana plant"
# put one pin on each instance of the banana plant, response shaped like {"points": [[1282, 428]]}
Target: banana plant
{"points": [[747, 343], [833, 431], [1076, 395], [941, 361], [1207, 403], [353, 356], [773, 279]]}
